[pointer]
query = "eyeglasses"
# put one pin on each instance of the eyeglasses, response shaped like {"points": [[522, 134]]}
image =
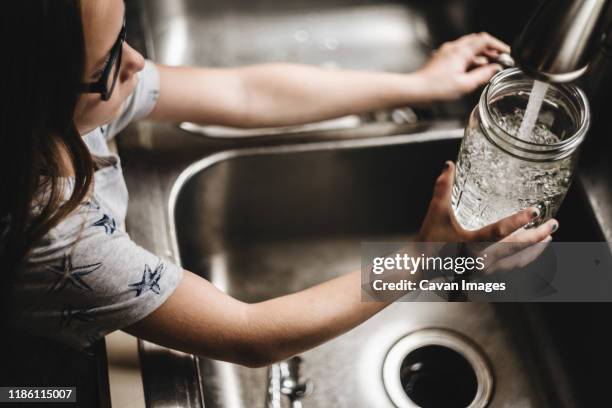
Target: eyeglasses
{"points": [[112, 66]]}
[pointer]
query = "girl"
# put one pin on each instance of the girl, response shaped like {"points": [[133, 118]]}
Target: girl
{"points": [[73, 274]]}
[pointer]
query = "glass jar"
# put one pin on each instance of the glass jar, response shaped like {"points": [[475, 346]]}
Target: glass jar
{"points": [[499, 173]]}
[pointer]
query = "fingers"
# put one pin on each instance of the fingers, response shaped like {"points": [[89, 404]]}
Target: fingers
{"points": [[491, 54], [521, 258], [501, 229], [533, 235], [480, 60], [444, 184], [480, 50], [480, 76], [478, 43], [519, 240], [436, 226]]}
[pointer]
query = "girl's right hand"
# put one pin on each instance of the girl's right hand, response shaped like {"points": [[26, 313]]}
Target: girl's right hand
{"points": [[461, 66], [440, 224]]}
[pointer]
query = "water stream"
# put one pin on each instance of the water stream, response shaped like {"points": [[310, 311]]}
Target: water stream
{"points": [[538, 92]]}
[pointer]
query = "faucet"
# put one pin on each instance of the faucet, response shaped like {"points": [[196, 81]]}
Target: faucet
{"points": [[284, 379], [560, 40]]}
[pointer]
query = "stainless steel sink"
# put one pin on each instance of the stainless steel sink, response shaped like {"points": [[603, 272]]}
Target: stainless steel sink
{"points": [[263, 222], [355, 34], [349, 33]]}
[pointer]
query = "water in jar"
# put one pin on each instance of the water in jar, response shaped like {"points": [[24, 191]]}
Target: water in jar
{"points": [[491, 184]]}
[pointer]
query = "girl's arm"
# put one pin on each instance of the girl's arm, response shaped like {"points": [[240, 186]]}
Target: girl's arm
{"points": [[287, 94], [200, 319]]}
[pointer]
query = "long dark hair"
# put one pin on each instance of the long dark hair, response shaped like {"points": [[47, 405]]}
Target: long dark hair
{"points": [[43, 58]]}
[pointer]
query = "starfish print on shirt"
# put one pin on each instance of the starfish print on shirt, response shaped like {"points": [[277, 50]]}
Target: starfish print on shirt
{"points": [[71, 274], [150, 280], [109, 224]]}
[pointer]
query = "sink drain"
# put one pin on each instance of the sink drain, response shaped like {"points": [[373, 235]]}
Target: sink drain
{"points": [[436, 368]]}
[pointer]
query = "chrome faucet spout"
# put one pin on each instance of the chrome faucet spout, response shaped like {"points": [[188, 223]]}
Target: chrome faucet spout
{"points": [[560, 40]]}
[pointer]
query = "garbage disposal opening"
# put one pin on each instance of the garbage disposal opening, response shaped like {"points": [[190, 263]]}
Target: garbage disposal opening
{"points": [[437, 368], [438, 377]]}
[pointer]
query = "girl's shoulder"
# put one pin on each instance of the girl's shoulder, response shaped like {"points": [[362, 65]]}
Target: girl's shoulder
{"points": [[87, 278]]}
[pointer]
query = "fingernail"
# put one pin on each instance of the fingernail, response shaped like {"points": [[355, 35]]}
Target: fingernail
{"points": [[446, 166], [535, 213], [554, 227]]}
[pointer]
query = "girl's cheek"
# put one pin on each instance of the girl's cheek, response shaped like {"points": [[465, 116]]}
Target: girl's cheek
{"points": [[91, 111], [101, 111]]}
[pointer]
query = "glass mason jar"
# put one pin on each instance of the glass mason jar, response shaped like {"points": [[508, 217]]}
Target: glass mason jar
{"points": [[499, 173]]}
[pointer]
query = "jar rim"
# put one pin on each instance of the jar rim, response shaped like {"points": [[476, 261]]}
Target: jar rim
{"points": [[556, 150]]}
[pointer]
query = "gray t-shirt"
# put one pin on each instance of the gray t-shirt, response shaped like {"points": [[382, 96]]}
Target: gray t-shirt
{"points": [[86, 278]]}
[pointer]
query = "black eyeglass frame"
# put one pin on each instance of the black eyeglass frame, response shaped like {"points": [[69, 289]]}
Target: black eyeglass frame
{"points": [[101, 85]]}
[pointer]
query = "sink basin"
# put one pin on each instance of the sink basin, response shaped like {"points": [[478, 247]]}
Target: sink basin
{"points": [[263, 222], [329, 33], [352, 34]]}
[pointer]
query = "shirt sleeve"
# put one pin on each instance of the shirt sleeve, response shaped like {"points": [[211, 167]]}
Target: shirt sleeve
{"points": [[89, 279], [140, 103]]}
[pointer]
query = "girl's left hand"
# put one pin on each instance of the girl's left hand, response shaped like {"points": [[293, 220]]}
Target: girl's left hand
{"points": [[461, 66]]}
